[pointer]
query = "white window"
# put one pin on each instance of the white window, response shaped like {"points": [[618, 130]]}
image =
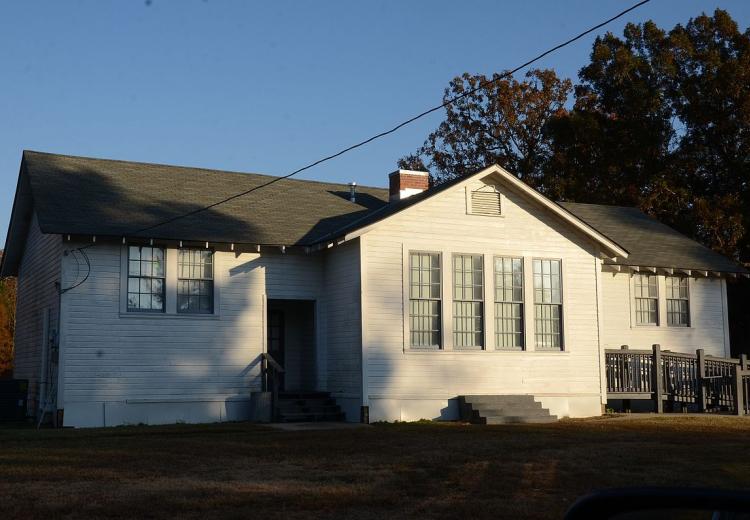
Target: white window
{"points": [[468, 301], [195, 281], [424, 300], [509, 303], [547, 304], [678, 301], [146, 277], [646, 299]]}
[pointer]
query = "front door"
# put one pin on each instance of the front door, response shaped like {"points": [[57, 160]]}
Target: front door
{"points": [[276, 341]]}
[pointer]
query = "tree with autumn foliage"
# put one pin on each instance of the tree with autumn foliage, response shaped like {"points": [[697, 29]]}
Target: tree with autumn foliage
{"points": [[498, 120], [7, 325], [659, 120]]}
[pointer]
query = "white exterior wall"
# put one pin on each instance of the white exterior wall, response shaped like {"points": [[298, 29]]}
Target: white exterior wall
{"points": [[37, 295], [402, 384], [121, 367], [343, 342], [708, 317]]}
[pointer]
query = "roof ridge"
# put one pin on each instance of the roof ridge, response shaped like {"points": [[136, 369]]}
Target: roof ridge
{"points": [[198, 168], [603, 205]]}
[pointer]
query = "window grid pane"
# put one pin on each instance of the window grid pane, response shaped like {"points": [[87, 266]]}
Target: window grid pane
{"points": [[678, 302], [468, 306], [547, 304], [547, 326], [195, 286], [146, 279], [509, 303], [646, 299], [467, 324], [425, 300]]}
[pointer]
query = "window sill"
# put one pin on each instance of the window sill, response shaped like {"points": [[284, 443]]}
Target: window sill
{"points": [[166, 315]]}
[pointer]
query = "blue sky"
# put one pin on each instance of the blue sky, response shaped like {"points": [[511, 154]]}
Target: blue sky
{"points": [[267, 87]]}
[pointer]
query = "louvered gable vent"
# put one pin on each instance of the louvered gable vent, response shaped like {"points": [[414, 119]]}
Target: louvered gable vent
{"points": [[486, 201]]}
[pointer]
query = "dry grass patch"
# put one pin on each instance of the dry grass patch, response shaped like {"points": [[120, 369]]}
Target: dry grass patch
{"points": [[401, 470]]}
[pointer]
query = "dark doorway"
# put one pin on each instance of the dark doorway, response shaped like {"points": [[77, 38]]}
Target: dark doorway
{"points": [[291, 342]]}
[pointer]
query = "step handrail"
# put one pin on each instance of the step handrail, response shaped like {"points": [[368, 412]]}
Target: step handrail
{"points": [[267, 365], [272, 362]]}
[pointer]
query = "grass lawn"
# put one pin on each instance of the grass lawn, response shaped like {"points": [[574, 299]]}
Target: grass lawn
{"points": [[398, 470]]}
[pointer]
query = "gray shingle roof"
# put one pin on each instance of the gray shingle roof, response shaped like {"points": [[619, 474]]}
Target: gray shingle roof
{"points": [[84, 196], [648, 241], [76, 195]]}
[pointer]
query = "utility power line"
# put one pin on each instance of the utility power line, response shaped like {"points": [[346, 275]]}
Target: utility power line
{"points": [[399, 125]]}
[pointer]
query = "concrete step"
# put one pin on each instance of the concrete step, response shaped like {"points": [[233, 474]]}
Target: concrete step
{"points": [[307, 402], [311, 417], [503, 409], [518, 419], [497, 412], [501, 399], [304, 395], [308, 407]]}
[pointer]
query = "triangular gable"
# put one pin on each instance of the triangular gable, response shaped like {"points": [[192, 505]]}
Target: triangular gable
{"points": [[611, 248]]}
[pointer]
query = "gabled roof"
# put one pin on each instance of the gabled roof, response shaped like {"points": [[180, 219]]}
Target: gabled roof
{"points": [[650, 243], [510, 180], [85, 196]]}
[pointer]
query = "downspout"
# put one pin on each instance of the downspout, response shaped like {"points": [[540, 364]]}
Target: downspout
{"points": [[600, 347]]}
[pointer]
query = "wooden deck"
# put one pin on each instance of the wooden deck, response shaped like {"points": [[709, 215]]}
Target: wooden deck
{"points": [[692, 382]]}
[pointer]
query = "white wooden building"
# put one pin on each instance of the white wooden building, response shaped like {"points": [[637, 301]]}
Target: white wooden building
{"points": [[391, 303]]}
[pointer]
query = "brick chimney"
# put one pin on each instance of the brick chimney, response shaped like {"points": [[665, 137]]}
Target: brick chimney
{"points": [[405, 183]]}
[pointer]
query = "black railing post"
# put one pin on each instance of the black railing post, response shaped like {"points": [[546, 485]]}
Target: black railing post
{"points": [[263, 374], [739, 392], [657, 380], [701, 383], [625, 402]]}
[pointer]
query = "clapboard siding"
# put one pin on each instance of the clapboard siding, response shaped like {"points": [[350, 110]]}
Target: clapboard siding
{"points": [[38, 273], [117, 357], [344, 346], [442, 224], [707, 326]]}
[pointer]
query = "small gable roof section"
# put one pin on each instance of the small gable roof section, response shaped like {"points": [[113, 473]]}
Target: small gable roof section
{"points": [[499, 175], [650, 243]]}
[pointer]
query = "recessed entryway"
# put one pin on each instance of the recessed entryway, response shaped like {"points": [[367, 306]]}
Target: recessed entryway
{"points": [[291, 342]]}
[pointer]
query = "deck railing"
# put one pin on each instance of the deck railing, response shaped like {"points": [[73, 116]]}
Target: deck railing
{"points": [[704, 382]]}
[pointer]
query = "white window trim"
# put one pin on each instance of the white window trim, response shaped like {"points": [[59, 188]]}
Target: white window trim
{"points": [[170, 290], [483, 346], [563, 305], [689, 300], [446, 310], [661, 304], [406, 285], [524, 296], [213, 279]]}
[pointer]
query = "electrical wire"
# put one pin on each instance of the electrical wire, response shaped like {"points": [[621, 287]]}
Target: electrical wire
{"points": [[82, 251], [399, 125]]}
